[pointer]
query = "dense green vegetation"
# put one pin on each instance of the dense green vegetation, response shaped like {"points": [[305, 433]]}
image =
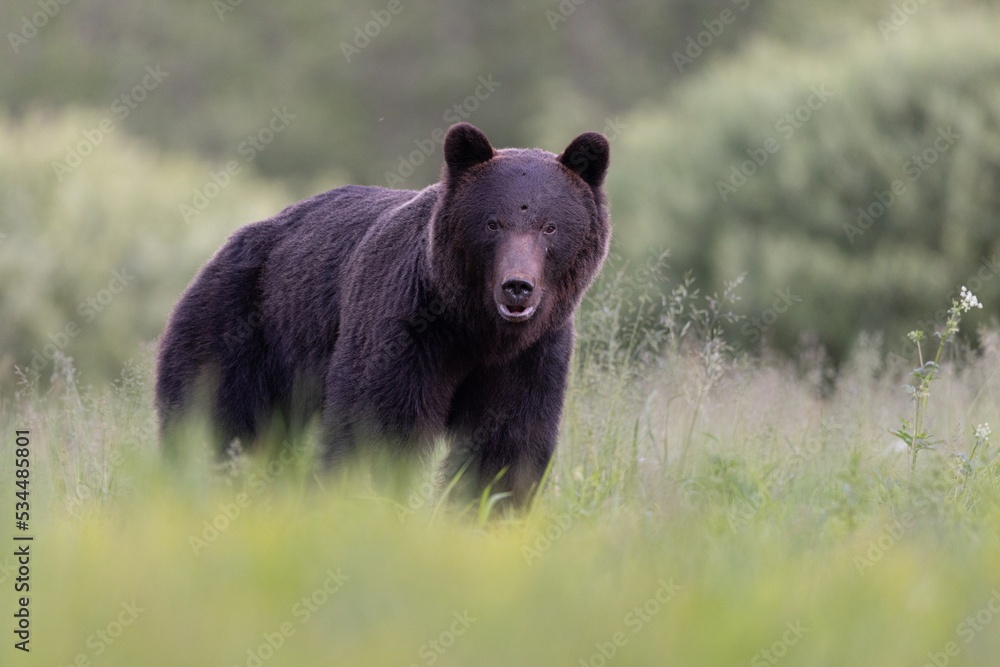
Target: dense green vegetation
{"points": [[706, 506], [700, 511], [136, 136], [856, 186], [364, 82], [92, 263]]}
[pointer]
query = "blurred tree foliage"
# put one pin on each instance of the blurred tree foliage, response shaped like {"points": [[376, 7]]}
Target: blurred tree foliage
{"points": [[91, 265], [364, 82], [857, 184], [234, 108]]}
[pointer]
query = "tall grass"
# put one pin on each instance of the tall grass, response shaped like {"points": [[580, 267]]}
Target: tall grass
{"points": [[704, 508]]}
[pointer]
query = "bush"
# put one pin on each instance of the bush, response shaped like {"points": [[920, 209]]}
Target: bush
{"points": [[856, 184], [93, 256]]}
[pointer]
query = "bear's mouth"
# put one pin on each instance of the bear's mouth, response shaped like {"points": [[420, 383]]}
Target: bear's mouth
{"points": [[515, 313]]}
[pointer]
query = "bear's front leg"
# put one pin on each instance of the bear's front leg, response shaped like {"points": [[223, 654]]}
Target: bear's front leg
{"points": [[504, 421], [385, 404]]}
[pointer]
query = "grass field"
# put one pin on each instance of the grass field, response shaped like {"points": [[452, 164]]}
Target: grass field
{"points": [[701, 511]]}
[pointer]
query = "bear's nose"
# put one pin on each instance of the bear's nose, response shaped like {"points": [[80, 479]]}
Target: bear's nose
{"points": [[518, 288]]}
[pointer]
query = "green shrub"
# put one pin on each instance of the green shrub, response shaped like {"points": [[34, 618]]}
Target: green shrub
{"points": [[93, 256], [828, 246]]}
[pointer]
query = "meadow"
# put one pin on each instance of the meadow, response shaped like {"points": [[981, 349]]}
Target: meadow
{"points": [[744, 477], [704, 508]]}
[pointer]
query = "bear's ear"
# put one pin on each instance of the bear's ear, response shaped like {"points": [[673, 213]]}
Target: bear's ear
{"points": [[465, 146], [587, 156]]}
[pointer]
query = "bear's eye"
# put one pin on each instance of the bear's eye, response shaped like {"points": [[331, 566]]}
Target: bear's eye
{"points": [[493, 224], [550, 229]]}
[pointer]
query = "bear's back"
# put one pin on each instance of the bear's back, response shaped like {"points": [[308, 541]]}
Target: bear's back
{"points": [[305, 273]]}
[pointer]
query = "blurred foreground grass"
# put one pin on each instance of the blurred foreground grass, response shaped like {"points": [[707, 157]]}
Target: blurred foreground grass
{"points": [[791, 532]]}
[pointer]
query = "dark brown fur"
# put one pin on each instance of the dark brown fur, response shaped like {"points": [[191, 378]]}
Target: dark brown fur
{"points": [[395, 313]]}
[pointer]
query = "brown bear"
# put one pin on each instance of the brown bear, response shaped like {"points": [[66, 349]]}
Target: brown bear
{"points": [[401, 316]]}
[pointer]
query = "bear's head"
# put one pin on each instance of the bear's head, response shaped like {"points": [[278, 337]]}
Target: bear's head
{"points": [[518, 235]]}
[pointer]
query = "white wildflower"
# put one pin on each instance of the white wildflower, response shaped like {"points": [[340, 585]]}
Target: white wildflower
{"points": [[983, 432], [969, 300]]}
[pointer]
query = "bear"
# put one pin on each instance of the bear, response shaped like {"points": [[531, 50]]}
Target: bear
{"points": [[398, 317]]}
